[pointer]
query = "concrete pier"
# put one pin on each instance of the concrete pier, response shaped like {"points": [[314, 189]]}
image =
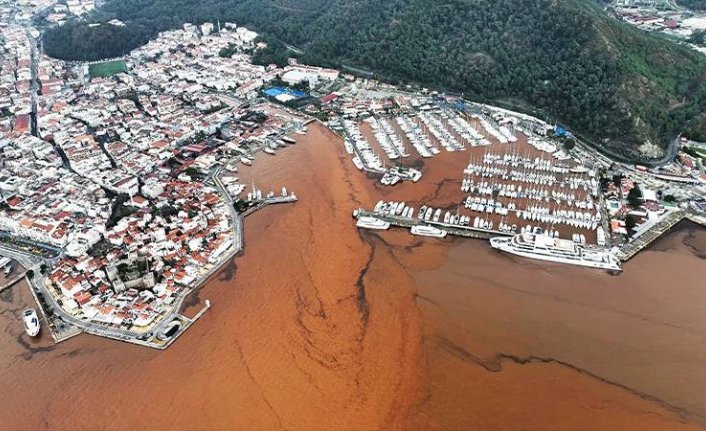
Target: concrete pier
{"points": [[629, 250], [451, 229], [269, 201]]}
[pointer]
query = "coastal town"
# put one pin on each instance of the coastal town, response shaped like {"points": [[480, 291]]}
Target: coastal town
{"points": [[666, 17], [120, 182]]}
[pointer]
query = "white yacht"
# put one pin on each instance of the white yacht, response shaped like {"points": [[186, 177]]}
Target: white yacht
{"points": [[31, 321], [358, 163], [372, 223], [348, 145], [543, 247], [269, 151], [422, 230]]}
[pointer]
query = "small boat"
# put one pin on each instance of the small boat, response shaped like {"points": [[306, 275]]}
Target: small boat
{"points": [[372, 223], [31, 322], [431, 231], [348, 146], [437, 214], [289, 140], [358, 163], [269, 151], [245, 161]]}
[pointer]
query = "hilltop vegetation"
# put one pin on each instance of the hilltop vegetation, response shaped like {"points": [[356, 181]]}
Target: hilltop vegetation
{"points": [[693, 4], [565, 59]]}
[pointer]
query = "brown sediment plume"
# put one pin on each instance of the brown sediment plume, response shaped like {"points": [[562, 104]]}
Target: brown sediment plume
{"points": [[324, 327]]}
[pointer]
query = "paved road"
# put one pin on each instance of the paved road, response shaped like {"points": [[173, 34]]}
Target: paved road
{"points": [[34, 56], [234, 216]]}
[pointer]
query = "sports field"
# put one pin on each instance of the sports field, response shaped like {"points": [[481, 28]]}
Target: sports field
{"points": [[108, 68]]}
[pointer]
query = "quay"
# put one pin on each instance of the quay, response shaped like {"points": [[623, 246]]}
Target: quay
{"points": [[269, 201], [627, 252], [656, 230], [451, 229]]}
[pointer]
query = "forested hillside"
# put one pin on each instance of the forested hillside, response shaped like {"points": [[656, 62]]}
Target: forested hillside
{"points": [[693, 4], [614, 84]]}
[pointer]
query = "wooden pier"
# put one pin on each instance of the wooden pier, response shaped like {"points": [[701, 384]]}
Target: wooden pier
{"points": [[451, 229]]}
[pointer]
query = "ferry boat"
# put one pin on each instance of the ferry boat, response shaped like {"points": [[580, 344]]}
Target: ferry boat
{"points": [[372, 223], [31, 321], [536, 246], [431, 231]]}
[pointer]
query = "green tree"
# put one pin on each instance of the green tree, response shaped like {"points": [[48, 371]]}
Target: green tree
{"points": [[635, 197], [630, 223]]}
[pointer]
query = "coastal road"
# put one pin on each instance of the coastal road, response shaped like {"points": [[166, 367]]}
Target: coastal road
{"points": [[37, 282], [235, 217]]}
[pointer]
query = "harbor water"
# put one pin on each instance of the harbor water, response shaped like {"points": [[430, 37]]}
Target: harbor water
{"points": [[320, 326]]}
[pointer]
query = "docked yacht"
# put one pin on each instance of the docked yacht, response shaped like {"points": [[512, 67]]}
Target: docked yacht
{"points": [[246, 161], [358, 163], [269, 151], [348, 145], [422, 230], [372, 223], [31, 321], [536, 246]]}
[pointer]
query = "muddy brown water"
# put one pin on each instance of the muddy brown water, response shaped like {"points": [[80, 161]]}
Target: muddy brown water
{"points": [[318, 326]]}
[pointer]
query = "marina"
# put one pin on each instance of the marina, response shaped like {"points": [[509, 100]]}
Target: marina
{"points": [[517, 183]]}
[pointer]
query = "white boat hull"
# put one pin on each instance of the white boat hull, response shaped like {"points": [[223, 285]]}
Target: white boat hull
{"points": [[429, 231], [505, 245], [31, 322], [372, 223]]}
